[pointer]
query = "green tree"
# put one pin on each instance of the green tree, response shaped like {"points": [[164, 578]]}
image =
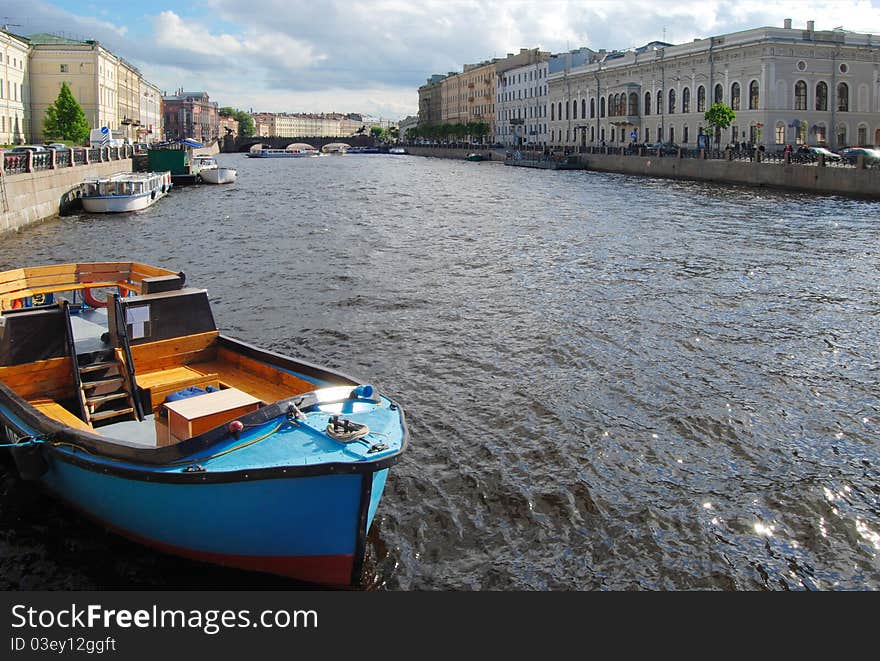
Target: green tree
{"points": [[719, 116], [246, 126], [376, 132], [65, 119]]}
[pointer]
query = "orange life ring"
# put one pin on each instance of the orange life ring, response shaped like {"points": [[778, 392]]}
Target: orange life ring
{"points": [[91, 300], [17, 304]]}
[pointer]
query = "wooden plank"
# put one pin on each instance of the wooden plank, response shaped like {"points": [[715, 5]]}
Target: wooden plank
{"points": [[11, 276], [54, 410], [159, 393], [24, 293], [177, 351], [51, 378], [140, 271], [267, 390]]}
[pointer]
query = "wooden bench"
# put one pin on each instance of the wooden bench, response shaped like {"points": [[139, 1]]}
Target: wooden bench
{"points": [[51, 379], [162, 384], [52, 409]]}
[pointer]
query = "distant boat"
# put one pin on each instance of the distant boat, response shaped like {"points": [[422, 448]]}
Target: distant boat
{"points": [[336, 148], [210, 172], [474, 157], [125, 191], [397, 150], [363, 150], [282, 153]]}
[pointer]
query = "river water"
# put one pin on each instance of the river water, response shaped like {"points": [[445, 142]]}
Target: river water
{"points": [[611, 382]]}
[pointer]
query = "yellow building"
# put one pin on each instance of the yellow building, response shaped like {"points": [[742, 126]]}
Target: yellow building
{"points": [[151, 123], [14, 91], [128, 99]]}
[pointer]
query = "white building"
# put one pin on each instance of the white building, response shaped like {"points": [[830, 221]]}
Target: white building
{"points": [[14, 89], [521, 114], [786, 85]]}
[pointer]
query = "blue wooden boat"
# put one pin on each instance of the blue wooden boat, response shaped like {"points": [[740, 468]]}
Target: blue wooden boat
{"points": [[137, 411]]}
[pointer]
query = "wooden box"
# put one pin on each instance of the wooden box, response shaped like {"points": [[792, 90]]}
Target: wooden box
{"points": [[195, 415]]}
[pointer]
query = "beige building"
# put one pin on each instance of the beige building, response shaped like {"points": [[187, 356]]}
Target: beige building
{"points": [[89, 69], [14, 89], [304, 125], [151, 124], [128, 100], [786, 85]]}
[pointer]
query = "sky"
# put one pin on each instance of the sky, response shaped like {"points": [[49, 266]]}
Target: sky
{"points": [[370, 56]]}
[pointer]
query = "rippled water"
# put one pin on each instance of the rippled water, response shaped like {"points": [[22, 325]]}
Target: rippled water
{"points": [[611, 382]]}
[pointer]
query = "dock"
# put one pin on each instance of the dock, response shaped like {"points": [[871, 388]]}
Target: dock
{"points": [[569, 163]]}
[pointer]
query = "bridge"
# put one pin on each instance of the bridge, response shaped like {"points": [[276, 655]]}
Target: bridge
{"points": [[243, 144]]}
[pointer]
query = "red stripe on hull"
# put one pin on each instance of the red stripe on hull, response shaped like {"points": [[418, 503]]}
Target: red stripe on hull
{"points": [[321, 569]]}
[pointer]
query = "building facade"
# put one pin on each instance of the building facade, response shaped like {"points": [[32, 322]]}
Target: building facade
{"points": [[521, 101], [14, 89], [310, 125], [431, 101], [191, 115], [786, 86], [151, 122]]}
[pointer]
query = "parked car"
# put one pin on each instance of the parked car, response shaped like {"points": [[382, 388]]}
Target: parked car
{"points": [[821, 151], [57, 145], [851, 154], [20, 149], [667, 147]]}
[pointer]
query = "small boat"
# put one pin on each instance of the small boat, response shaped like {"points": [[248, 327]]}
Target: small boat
{"points": [[474, 157], [283, 153], [210, 171], [137, 411], [397, 150], [363, 150], [124, 191]]}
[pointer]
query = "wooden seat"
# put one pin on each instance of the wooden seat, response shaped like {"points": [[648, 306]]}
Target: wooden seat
{"points": [[52, 409]]}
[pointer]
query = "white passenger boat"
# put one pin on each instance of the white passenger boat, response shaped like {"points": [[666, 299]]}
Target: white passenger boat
{"points": [[282, 153], [211, 173], [124, 191]]}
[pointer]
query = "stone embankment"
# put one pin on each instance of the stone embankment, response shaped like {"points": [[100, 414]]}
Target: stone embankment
{"points": [[771, 171], [36, 187]]}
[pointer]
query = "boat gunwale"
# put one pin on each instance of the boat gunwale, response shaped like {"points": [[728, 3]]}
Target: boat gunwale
{"points": [[161, 457]]}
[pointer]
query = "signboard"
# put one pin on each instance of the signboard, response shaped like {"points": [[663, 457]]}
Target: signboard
{"points": [[703, 141]]}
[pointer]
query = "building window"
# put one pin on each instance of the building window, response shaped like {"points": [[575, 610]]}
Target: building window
{"points": [[566, 110], [754, 96], [701, 99], [820, 134], [821, 96], [559, 110], [684, 134], [800, 95], [592, 134], [647, 103], [862, 135], [843, 68], [583, 108], [592, 108], [841, 135], [686, 102], [552, 113], [780, 133], [647, 134], [843, 97], [734, 96], [671, 134], [602, 107], [660, 102], [63, 68], [671, 103], [719, 93], [633, 110]]}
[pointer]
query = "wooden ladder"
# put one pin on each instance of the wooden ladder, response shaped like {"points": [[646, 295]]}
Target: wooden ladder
{"points": [[103, 390]]}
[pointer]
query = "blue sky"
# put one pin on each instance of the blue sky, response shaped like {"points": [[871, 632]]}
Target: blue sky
{"points": [[370, 56]]}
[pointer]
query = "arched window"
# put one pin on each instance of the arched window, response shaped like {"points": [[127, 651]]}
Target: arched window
{"points": [[633, 109], [671, 102], [734, 96], [574, 109], [567, 113], [647, 103], [592, 108], [686, 100], [559, 110], [592, 133], [800, 95], [659, 102], [701, 99], [843, 98], [552, 112], [822, 96], [841, 135], [612, 107], [753, 95], [583, 108], [779, 133], [602, 108], [719, 93]]}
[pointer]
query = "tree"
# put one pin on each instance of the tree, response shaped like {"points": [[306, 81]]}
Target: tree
{"points": [[719, 116], [376, 132], [65, 119], [246, 126]]}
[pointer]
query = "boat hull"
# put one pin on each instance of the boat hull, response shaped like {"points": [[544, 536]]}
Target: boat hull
{"points": [[310, 529], [219, 175], [121, 203]]}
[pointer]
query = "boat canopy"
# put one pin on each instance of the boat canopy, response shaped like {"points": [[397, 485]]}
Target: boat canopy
{"points": [[26, 282], [336, 146], [299, 146]]}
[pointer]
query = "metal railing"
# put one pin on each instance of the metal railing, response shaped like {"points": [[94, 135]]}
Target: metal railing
{"points": [[33, 161]]}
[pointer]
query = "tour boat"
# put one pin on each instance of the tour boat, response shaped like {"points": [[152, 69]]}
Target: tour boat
{"points": [[474, 157], [124, 191], [211, 172], [282, 153], [397, 150], [139, 413]]}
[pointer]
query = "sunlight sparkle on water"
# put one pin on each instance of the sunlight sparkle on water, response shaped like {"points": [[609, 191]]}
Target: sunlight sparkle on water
{"points": [[763, 530]]}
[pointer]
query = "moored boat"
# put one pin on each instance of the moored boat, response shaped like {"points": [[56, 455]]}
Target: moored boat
{"points": [[473, 156], [397, 150], [137, 411], [124, 191], [211, 172], [283, 153]]}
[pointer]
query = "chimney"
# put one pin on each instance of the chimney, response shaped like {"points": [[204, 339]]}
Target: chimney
{"points": [[787, 24], [811, 25]]}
